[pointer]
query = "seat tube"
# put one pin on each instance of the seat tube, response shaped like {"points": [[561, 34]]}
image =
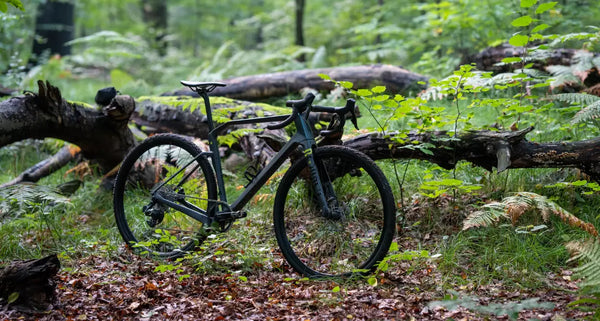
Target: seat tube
{"points": [[214, 148]]}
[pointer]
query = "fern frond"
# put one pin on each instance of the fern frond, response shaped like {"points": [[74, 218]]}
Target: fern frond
{"points": [[588, 113], [583, 60], [588, 254], [575, 98], [562, 75], [22, 198], [489, 215], [513, 207], [571, 36], [596, 62]]}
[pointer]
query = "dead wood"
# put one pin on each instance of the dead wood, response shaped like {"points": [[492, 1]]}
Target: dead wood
{"points": [[486, 149], [102, 135], [29, 285], [47, 166], [394, 78]]}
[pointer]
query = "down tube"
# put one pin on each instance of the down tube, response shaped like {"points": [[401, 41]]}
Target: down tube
{"points": [[267, 172]]}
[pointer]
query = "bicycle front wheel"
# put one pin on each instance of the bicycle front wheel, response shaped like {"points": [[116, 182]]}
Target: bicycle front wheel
{"points": [[358, 233], [165, 164]]}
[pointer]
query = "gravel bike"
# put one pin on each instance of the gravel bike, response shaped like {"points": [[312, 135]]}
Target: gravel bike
{"points": [[334, 211]]}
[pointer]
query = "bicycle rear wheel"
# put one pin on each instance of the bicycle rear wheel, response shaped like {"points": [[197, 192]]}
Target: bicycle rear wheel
{"points": [[361, 230], [164, 163]]}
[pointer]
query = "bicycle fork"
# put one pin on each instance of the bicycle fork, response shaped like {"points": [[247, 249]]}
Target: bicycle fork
{"points": [[323, 187]]}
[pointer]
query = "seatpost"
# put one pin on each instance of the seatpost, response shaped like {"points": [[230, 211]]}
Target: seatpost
{"points": [[214, 146]]}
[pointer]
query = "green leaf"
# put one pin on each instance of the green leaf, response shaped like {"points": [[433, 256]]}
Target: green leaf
{"points": [[336, 289], [378, 89], [364, 92], [511, 60], [523, 21], [346, 84], [17, 4], [381, 98], [3, 6], [518, 40], [539, 28], [528, 3], [545, 7], [13, 297], [372, 281], [579, 183], [243, 278], [324, 77]]}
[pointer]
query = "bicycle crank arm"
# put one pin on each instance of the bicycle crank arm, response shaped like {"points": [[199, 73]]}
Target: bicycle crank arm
{"points": [[183, 209]]}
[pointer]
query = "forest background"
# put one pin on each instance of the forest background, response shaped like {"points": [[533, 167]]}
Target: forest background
{"points": [[145, 47]]}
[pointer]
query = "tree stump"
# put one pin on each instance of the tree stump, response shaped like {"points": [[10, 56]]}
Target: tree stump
{"points": [[28, 285]]}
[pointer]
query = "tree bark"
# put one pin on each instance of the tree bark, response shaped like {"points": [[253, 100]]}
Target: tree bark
{"points": [[29, 285], [486, 149], [490, 58], [103, 136], [299, 38], [395, 79]]}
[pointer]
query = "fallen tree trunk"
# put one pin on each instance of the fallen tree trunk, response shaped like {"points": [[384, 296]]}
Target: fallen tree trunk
{"points": [[103, 136], [490, 59], [395, 79], [486, 149], [47, 166], [29, 285]]}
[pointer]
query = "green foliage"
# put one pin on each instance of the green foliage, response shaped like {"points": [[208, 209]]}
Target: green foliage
{"points": [[511, 309], [20, 199], [588, 253], [15, 3]]}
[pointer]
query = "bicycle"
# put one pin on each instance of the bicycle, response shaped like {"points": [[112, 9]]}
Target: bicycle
{"points": [[333, 213]]}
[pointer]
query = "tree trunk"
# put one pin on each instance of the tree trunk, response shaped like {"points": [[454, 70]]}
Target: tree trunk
{"points": [[29, 285], [299, 38], [155, 17], [102, 135], [395, 79], [54, 25], [486, 149]]}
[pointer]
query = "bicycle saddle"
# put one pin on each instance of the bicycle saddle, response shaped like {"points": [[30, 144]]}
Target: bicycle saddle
{"points": [[202, 86]]}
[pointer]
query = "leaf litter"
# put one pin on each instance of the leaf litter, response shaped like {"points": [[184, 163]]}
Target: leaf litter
{"points": [[128, 289]]}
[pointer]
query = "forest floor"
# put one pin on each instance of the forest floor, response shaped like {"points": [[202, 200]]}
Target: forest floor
{"points": [[129, 289], [115, 284]]}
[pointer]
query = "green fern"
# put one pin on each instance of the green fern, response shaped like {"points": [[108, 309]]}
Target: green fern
{"points": [[562, 75], [575, 98], [591, 112], [588, 254], [513, 207], [19, 199]]}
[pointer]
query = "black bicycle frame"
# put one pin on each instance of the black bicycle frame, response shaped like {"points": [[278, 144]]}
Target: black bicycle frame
{"points": [[303, 137]]}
